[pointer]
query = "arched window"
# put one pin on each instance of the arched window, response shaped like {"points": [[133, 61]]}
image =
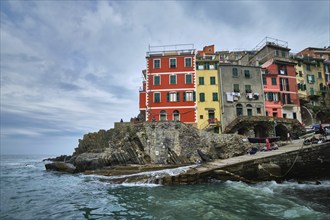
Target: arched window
{"points": [[176, 115], [162, 115], [249, 109], [239, 109]]}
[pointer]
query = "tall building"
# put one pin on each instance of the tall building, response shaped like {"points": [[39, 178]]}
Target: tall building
{"points": [[207, 88], [241, 92], [169, 84], [311, 68], [279, 78]]}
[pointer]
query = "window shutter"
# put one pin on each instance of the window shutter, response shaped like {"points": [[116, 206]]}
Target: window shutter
{"points": [[184, 96], [168, 96], [194, 96], [178, 96]]}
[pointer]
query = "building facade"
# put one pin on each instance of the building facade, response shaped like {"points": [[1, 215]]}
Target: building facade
{"points": [[169, 91], [241, 92], [207, 90], [279, 78]]}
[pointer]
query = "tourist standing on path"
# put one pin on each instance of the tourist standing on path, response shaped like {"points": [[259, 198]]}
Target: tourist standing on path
{"points": [[288, 138], [267, 144]]}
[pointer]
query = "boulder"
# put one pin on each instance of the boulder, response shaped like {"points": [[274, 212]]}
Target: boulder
{"points": [[61, 166]]}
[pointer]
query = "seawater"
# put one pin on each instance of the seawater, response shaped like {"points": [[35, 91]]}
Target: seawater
{"points": [[28, 191]]}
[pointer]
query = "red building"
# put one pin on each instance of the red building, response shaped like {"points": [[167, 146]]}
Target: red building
{"points": [[280, 89], [279, 78], [168, 91]]}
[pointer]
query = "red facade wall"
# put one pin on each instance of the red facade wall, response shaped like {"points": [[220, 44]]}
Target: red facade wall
{"points": [[186, 109]]}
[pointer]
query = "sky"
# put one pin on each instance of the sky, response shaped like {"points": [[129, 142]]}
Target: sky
{"points": [[73, 67]]}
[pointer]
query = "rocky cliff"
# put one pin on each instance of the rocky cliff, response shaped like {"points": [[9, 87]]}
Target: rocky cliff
{"points": [[171, 143]]}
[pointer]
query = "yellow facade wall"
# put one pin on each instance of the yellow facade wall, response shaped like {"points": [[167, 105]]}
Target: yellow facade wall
{"points": [[205, 108]]}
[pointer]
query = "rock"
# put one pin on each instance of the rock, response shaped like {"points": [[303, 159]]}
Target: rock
{"points": [[166, 142], [268, 171], [63, 158], [61, 166]]}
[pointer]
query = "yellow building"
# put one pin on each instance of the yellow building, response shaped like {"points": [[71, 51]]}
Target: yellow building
{"points": [[310, 77], [208, 90]]}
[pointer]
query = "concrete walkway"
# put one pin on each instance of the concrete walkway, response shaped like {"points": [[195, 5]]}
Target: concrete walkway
{"points": [[296, 145]]}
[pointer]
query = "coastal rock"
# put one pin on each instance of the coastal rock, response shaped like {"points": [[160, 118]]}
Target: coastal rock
{"points": [[154, 143], [61, 166]]}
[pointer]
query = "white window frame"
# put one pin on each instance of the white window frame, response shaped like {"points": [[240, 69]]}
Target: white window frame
{"points": [[176, 79], [159, 80], [173, 96], [189, 96], [170, 63], [155, 65], [185, 62], [185, 79]]}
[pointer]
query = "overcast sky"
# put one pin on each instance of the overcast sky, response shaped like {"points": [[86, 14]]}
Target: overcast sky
{"points": [[72, 67]]}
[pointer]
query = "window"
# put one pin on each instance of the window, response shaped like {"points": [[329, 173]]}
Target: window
{"points": [[276, 53], [235, 72], [284, 84], [200, 67], [264, 81], [248, 89], [300, 74], [319, 75], [247, 73], [212, 80], [236, 87], [176, 115], [308, 67], [283, 54], [274, 81], [156, 97], [239, 110], [249, 109], [188, 79], [212, 66], [311, 79], [162, 115], [258, 110], [187, 62], [282, 69], [271, 96], [172, 62], [157, 64], [201, 80], [172, 96], [156, 80], [188, 96], [207, 66], [202, 97], [215, 96], [201, 117], [172, 79]]}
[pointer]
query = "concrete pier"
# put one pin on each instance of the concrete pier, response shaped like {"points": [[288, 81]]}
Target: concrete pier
{"points": [[292, 161]]}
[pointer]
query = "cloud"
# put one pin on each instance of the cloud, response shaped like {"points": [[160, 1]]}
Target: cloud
{"points": [[71, 67]]}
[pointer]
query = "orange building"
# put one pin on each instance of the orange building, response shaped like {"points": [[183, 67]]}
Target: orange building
{"points": [[168, 92]]}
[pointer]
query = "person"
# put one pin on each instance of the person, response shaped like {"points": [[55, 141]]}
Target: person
{"points": [[322, 132], [121, 120], [267, 144], [274, 146], [288, 138]]}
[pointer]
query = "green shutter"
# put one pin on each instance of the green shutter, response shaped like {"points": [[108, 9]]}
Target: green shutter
{"points": [[168, 96], [194, 96], [178, 96], [184, 96]]}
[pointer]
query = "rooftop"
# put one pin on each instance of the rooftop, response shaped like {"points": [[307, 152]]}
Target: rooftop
{"points": [[176, 49]]}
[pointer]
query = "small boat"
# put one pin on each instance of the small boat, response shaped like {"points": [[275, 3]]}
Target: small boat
{"points": [[263, 139]]}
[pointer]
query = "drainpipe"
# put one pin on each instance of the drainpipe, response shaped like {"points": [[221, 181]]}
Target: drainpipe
{"points": [[222, 101]]}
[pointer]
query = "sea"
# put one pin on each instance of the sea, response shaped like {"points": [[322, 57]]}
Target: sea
{"points": [[28, 191]]}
